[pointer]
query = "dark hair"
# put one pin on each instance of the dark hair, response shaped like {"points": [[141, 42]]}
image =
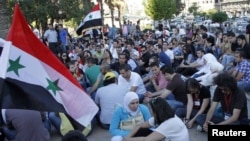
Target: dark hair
{"points": [[241, 53], [231, 34], [160, 47], [87, 52], [202, 27], [161, 109], [91, 60], [74, 135], [241, 36], [124, 67], [201, 50], [155, 58], [126, 52], [109, 81], [167, 69], [226, 80], [192, 83], [154, 64], [110, 54], [204, 36], [210, 39]]}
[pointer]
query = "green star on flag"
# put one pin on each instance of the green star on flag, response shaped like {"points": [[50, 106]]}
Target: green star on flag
{"points": [[90, 16], [15, 65], [53, 86]]}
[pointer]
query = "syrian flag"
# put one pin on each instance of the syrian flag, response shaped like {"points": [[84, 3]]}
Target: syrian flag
{"points": [[31, 77], [92, 21]]}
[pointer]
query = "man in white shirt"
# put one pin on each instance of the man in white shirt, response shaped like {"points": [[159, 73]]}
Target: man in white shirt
{"points": [[168, 51], [52, 38], [107, 97], [132, 81], [113, 49]]}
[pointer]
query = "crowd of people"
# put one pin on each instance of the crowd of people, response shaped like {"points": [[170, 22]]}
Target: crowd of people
{"points": [[155, 85]]}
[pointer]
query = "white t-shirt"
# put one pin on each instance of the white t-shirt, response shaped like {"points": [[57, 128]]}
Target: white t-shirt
{"points": [[107, 97], [201, 62], [173, 129], [135, 80], [170, 54]]}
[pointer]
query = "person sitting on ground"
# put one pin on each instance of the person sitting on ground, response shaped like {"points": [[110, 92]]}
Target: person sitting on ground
{"points": [[107, 97], [208, 59], [27, 124], [175, 92], [104, 68], [198, 102], [121, 124], [233, 104], [198, 64], [132, 81], [241, 71], [158, 81], [167, 125]]}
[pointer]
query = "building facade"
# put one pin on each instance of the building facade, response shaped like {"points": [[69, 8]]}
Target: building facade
{"points": [[234, 7], [204, 5]]}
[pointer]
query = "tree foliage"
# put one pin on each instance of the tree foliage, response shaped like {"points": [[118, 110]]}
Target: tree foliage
{"points": [[193, 9], [41, 11], [219, 17], [210, 12], [179, 6], [160, 9]]}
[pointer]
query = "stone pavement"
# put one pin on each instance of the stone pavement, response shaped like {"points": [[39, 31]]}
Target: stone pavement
{"points": [[99, 134]]}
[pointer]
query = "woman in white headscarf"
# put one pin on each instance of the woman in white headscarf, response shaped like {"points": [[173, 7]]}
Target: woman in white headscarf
{"points": [[213, 68], [126, 117], [209, 60]]}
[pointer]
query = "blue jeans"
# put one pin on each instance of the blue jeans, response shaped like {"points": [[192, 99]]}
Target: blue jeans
{"points": [[181, 112], [217, 119], [227, 59], [175, 104], [55, 120], [244, 85]]}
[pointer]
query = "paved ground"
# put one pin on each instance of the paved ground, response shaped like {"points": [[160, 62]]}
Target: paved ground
{"points": [[100, 134]]}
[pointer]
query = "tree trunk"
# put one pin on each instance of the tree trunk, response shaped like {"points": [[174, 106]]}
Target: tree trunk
{"points": [[112, 16], [120, 18], [4, 20]]}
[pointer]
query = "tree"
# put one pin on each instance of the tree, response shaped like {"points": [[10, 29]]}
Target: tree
{"points": [[160, 9], [193, 9], [121, 6], [219, 17], [4, 20], [39, 11], [179, 7], [210, 12]]}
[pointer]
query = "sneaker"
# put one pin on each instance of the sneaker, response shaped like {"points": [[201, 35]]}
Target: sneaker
{"points": [[199, 128]]}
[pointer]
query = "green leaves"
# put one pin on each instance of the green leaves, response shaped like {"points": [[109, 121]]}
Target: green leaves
{"points": [[160, 9], [39, 11], [219, 17]]}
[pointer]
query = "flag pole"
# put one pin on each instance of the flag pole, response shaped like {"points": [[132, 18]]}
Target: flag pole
{"points": [[101, 3]]}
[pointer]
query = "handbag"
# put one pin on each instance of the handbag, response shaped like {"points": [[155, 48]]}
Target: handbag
{"points": [[131, 122]]}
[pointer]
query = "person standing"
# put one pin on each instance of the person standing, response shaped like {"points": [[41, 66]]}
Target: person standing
{"points": [[52, 38], [63, 37]]}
